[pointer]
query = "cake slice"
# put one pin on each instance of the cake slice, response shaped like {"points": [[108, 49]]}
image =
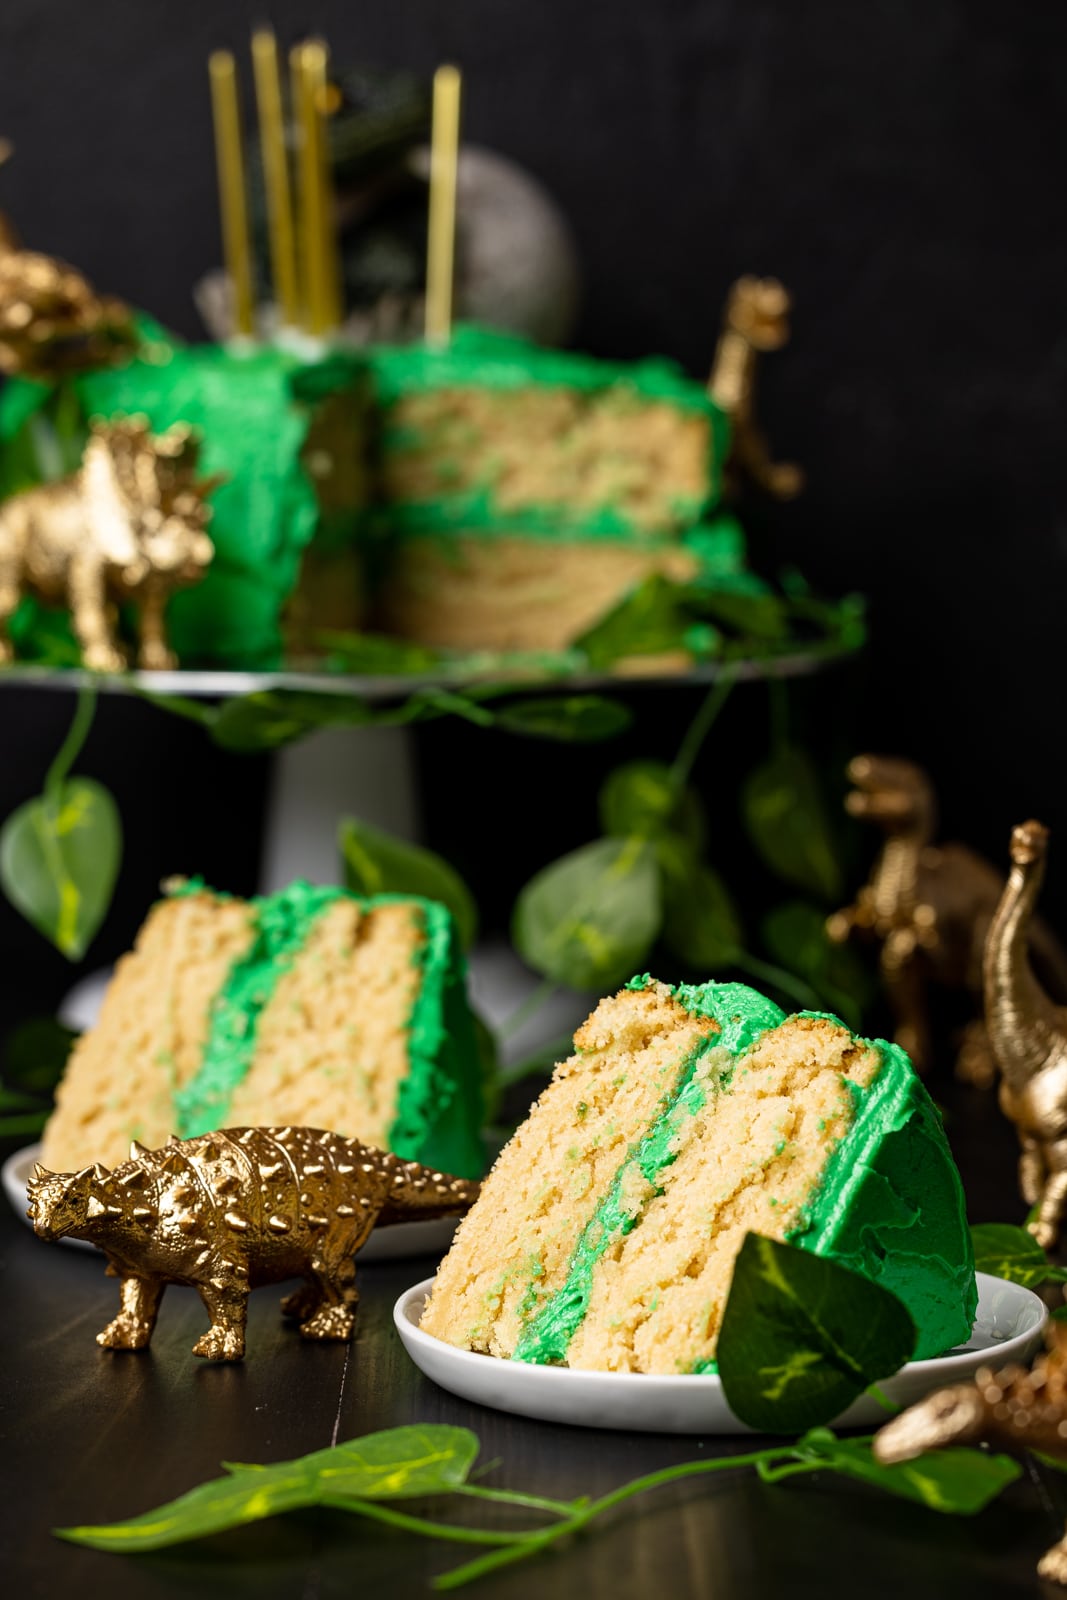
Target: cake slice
{"points": [[606, 1234], [311, 1007]]}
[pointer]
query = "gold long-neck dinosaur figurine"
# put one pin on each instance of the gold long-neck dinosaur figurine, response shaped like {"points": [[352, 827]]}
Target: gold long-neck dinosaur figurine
{"points": [[1028, 1035]]}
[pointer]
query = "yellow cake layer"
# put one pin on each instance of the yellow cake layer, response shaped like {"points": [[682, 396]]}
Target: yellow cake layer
{"points": [[747, 1162], [542, 447], [332, 1041], [149, 1039], [511, 593], [559, 1165]]}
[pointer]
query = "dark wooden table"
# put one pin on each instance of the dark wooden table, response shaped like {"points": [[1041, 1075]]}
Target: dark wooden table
{"points": [[91, 1436]]}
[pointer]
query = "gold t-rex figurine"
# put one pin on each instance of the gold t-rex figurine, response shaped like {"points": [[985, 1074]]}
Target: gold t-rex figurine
{"points": [[756, 320], [1014, 1408], [127, 526], [1028, 1034], [929, 908], [227, 1211]]}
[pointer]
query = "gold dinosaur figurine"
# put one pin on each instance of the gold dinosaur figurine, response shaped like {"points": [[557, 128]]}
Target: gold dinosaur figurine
{"points": [[929, 908], [1015, 1408], [1028, 1034], [52, 321], [756, 320], [127, 526], [228, 1211]]}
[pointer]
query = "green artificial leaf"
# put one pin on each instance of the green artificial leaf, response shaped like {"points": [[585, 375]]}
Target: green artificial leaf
{"points": [[651, 620], [801, 1337], [572, 719], [787, 821], [700, 921], [642, 798], [590, 919], [271, 718], [377, 655], [59, 857], [748, 616], [399, 1463], [956, 1480], [795, 935], [35, 1054], [1005, 1251], [376, 862]]}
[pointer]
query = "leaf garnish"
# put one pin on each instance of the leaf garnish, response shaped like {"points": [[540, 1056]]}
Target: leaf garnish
{"points": [[1006, 1251], [802, 1337]]}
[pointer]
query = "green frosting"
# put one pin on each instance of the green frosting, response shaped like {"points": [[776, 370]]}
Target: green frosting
{"points": [[439, 1109], [889, 1203]]}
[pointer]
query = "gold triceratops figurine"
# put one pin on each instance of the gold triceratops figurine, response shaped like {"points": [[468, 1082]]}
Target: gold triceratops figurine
{"points": [[1028, 1034], [227, 1211], [127, 526], [755, 321], [1013, 1408], [929, 907]]}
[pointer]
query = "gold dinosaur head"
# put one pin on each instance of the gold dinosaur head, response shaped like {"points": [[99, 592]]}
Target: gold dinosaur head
{"points": [[1029, 843], [758, 308], [62, 1202], [165, 502], [889, 790]]}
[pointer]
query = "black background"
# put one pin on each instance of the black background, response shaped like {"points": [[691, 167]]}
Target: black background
{"points": [[899, 164]]}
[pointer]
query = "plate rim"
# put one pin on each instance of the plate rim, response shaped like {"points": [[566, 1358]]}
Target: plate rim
{"points": [[709, 1382]]}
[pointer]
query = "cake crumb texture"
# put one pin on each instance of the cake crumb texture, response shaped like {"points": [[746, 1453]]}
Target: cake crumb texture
{"points": [[514, 1248]]}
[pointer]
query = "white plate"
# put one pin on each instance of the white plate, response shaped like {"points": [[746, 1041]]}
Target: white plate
{"points": [[1007, 1327], [395, 1243]]}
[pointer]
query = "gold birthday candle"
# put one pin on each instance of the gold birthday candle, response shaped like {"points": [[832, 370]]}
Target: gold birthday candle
{"points": [[276, 175], [444, 156], [232, 201], [316, 219]]}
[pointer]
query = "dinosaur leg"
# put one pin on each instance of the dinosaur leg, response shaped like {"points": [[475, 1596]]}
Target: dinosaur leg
{"points": [[132, 1328], [153, 653], [1046, 1227], [89, 616], [302, 1302], [227, 1306], [903, 981], [1053, 1563], [1031, 1169], [335, 1317]]}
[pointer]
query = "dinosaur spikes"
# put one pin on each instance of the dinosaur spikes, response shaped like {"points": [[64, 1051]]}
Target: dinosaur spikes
{"points": [[230, 1183], [133, 1179], [100, 1173], [208, 1153], [39, 1173], [172, 1162], [172, 1138], [95, 1208], [143, 1214], [184, 1192], [138, 1151], [234, 1220]]}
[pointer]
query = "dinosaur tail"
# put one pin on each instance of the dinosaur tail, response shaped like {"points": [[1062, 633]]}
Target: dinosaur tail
{"points": [[418, 1192]]}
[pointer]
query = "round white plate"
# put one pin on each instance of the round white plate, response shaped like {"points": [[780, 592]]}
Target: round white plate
{"points": [[1007, 1327], [395, 1243]]}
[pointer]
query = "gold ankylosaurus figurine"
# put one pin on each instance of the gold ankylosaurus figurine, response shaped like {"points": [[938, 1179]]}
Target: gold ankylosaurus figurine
{"points": [[756, 320], [1028, 1034], [1014, 1408], [127, 526], [230, 1210], [929, 907]]}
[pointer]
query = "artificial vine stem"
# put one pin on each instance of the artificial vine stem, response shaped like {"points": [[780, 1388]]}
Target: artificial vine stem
{"points": [[700, 727], [70, 749]]}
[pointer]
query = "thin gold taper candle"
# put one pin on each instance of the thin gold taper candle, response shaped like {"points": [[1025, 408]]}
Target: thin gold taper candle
{"points": [[233, 205], [444, 155], [316, 218], [276, 175]]}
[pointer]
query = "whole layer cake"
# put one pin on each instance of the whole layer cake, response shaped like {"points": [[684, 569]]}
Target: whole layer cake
{"points": [[606, 1234], [311, 1007]]}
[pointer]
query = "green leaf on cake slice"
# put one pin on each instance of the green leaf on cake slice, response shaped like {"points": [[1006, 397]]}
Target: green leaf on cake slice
{"points": [[396, 1464], [786, 818], [802, 1337], [590, 919], [1005, 1251], [59, 857], [376, 862]]}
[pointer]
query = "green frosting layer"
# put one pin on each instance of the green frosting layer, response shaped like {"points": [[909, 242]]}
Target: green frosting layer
{"points": [[439, 1106], [889, 1203]]}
